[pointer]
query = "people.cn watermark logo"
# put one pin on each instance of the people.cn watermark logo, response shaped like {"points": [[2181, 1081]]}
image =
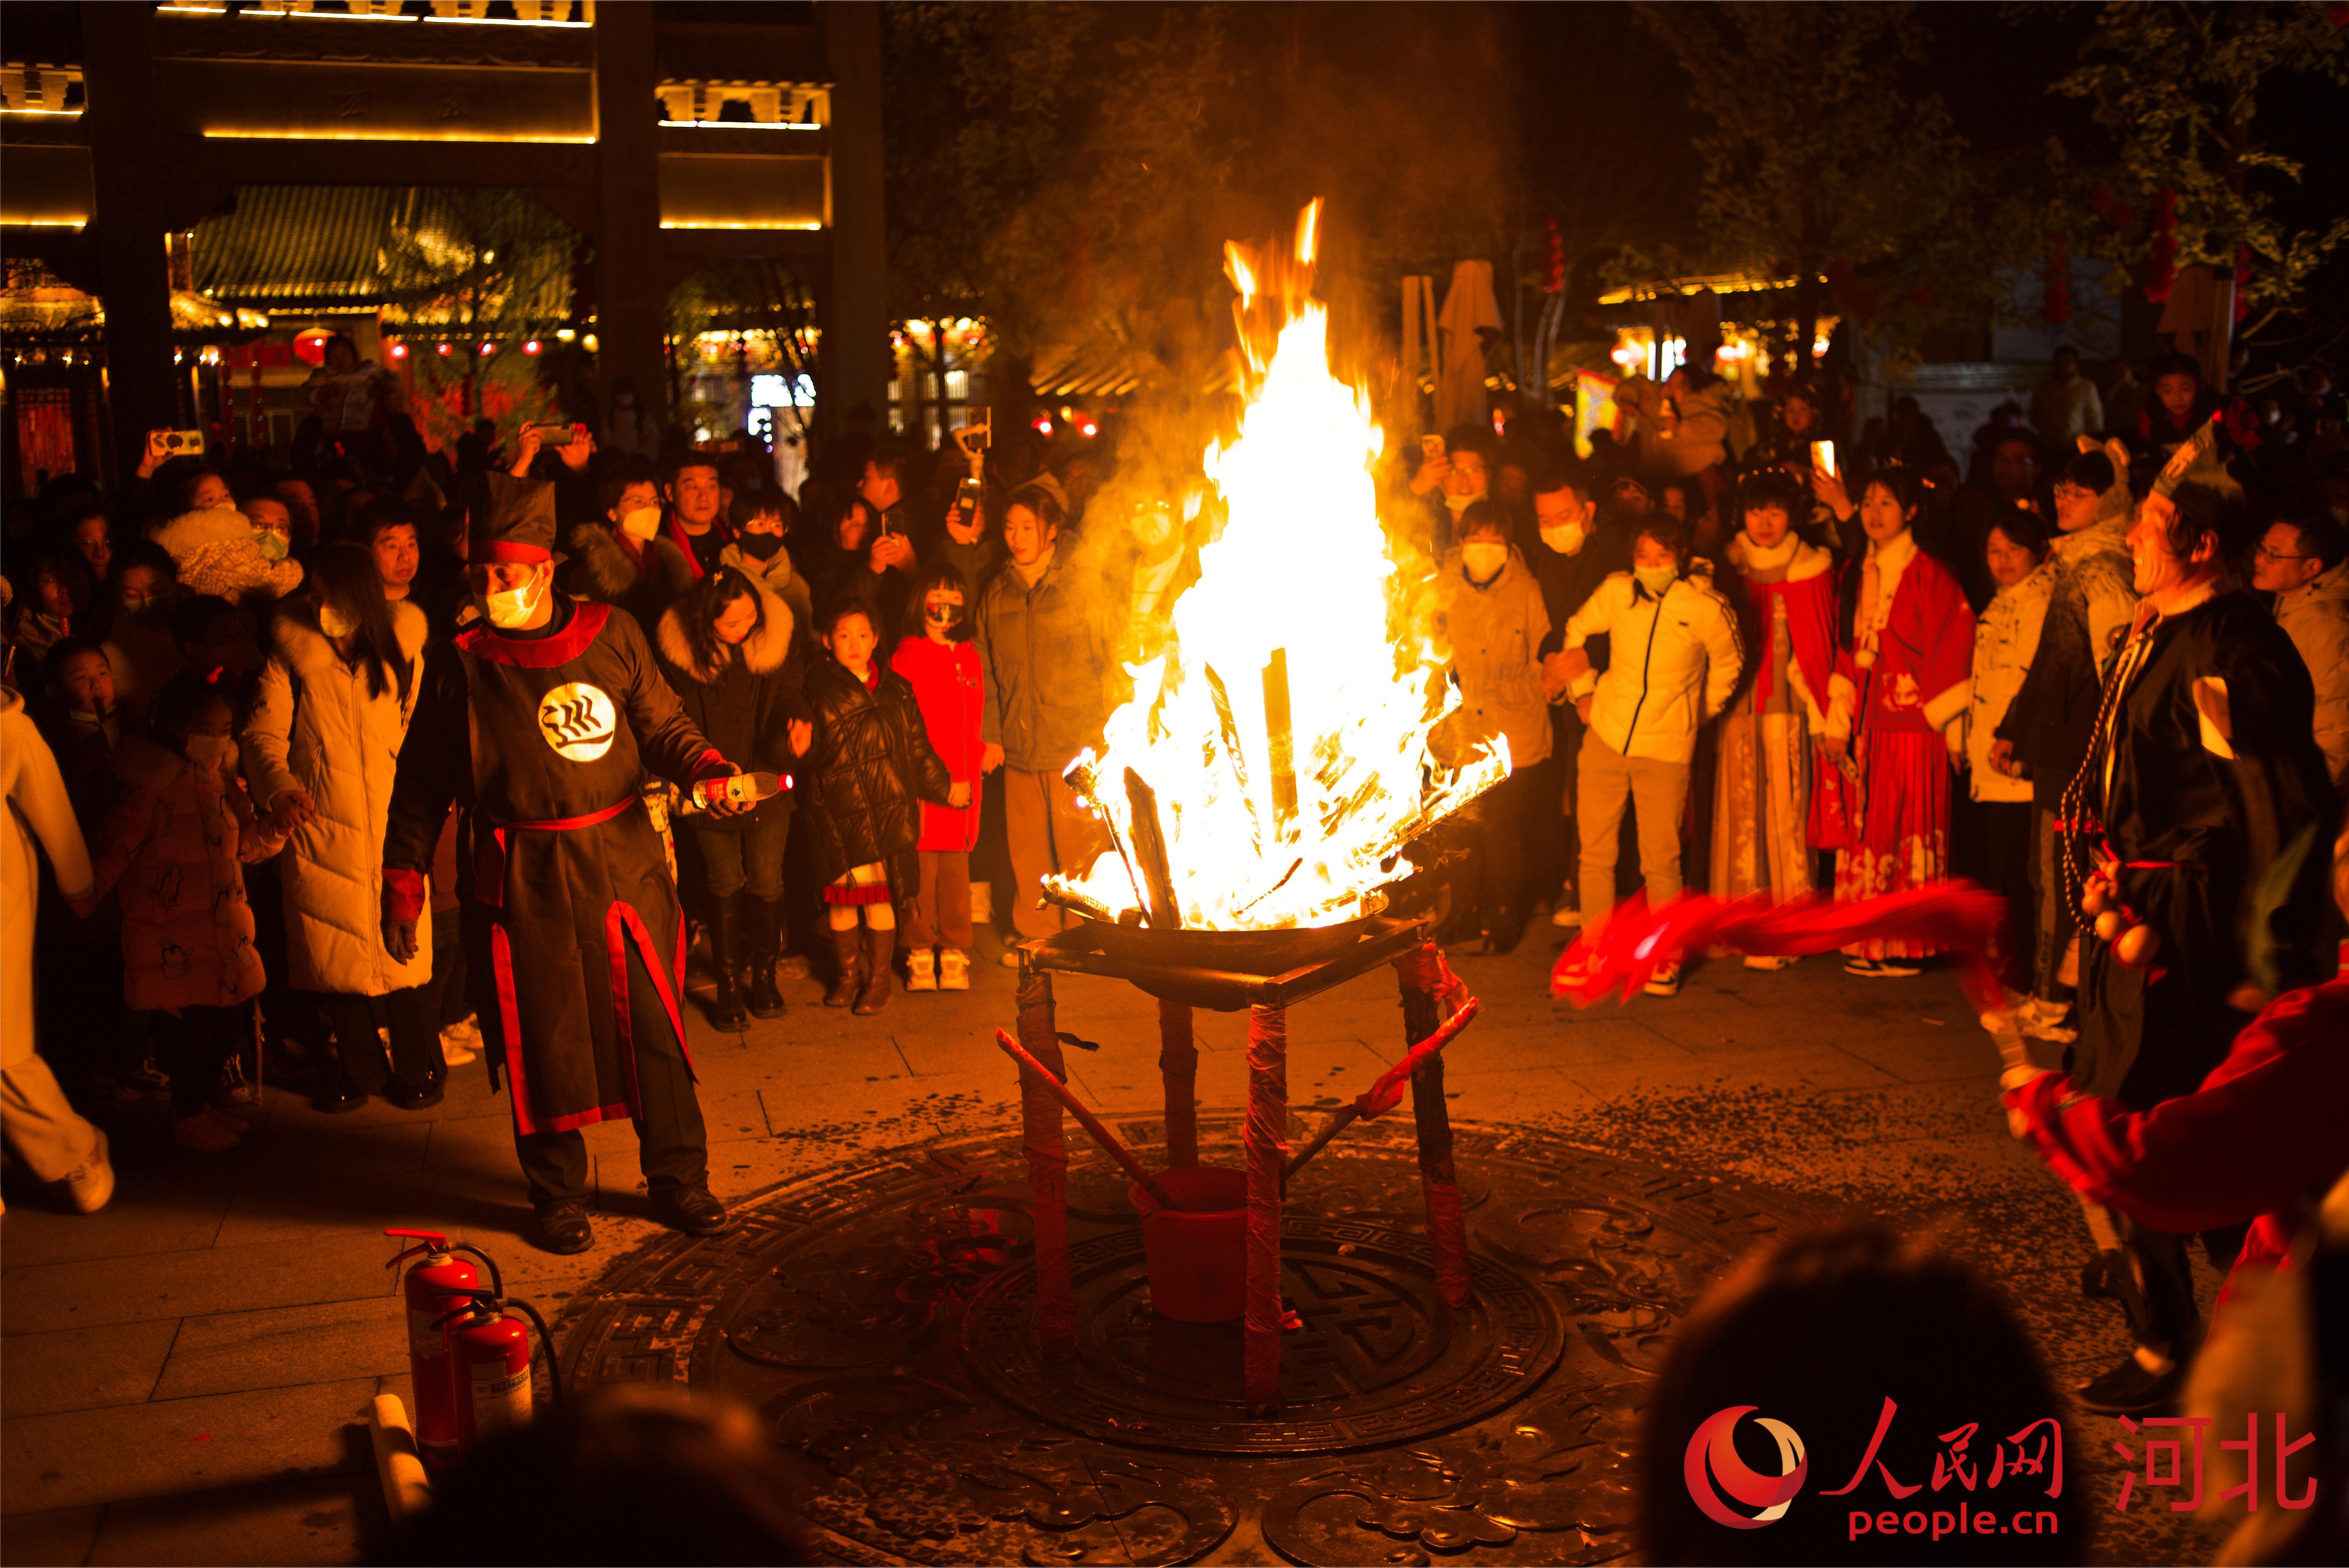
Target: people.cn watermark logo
{"points": [[1713, 1458]]}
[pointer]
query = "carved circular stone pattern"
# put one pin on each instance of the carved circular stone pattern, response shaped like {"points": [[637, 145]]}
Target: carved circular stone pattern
{"points": [[881, 1317]]}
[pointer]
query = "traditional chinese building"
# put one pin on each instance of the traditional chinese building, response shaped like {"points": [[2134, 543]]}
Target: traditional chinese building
{"points": [[277, 158]]}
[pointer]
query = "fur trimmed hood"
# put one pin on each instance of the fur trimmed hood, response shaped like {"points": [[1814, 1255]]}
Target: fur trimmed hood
{"points": [[603, 571], [761, 653], [294, 633], [216, 553], [1803, 562]]}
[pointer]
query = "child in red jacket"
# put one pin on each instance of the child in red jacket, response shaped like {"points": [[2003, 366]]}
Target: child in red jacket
{"points": [[177, 844], [937, 657]]}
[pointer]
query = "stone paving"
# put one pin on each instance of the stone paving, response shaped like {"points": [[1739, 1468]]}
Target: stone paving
{"points": [[184, 1377]]}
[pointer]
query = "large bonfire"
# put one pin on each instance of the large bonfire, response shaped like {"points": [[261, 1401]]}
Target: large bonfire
{"points": [[1284, 728]]}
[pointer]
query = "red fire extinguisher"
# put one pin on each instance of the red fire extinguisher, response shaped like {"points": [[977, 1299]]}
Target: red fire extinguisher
{"points": [[490, 1363], [440, 1284]]}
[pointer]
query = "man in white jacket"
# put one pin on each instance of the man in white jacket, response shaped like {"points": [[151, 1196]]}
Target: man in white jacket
{"points": [[1674, 661]]}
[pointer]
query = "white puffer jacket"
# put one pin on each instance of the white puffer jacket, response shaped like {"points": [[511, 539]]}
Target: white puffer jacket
{"points": [[1672, 663], [315, 729], [2006, 638]]}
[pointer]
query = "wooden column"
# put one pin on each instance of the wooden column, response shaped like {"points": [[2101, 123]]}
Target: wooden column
{"points": [[1178, 1065], [1265, 1137], [1447, 1231], [1048, 1166]]}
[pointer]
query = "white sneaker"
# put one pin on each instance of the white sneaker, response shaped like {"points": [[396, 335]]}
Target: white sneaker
{"points": [[1567, 916], [1010, 959], [1665, 981], [954, 969], [922, 969], [90, 1185], [1771, 960], [460, 1042]]}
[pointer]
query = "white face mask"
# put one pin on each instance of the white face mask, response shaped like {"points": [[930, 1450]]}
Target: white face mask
{"points": [[1565, 538], [642, 523], [334, 623], [1483, 562], [511, 609], [217, 752]]}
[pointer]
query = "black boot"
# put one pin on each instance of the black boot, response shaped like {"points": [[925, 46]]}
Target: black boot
{"points": [[726, 1010], [763, 935], [847, 947], [878, 980]]}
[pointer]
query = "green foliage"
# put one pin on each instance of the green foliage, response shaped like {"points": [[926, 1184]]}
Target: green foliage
{"points": [[2174, 88], [480, 263], [1819, 155]]}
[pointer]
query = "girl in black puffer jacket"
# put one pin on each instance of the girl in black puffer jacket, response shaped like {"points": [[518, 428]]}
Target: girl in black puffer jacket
{"points": [[729, 649], [870, 766]]}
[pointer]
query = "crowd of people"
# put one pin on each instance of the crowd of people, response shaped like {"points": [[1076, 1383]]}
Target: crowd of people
{"points": [[405, 755]]}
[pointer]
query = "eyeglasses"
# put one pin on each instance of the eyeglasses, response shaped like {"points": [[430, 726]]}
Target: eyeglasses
{"points": [[2265, 554]]}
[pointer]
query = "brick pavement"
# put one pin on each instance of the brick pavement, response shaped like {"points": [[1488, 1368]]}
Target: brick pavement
{"points": [[184, 1377]]}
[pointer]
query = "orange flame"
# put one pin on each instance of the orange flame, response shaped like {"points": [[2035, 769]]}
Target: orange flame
{"points": [[1268, 825]]}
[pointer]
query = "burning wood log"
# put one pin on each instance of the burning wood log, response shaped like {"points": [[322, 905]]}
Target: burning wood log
{"points": [[1076, 903], [1081, 777], [1279, 731], [1150, 854]]}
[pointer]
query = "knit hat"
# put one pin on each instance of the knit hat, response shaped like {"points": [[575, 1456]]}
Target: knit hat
{"points": [[510, 522], [1046, 485]]}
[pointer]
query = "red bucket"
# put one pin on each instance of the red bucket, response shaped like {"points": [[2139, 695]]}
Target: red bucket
{"points": [[1197, 1253]]}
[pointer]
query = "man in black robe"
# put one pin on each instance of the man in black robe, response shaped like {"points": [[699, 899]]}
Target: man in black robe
{"points": [[2212, 803], [540, 720]]}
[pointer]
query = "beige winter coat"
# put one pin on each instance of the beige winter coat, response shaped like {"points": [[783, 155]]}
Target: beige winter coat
{"points": [[37, 810], [2316, 619], [315, 729]]}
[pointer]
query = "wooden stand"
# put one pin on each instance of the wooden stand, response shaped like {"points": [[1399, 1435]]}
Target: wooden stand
{"points": [[1265, 1136], [1430, 993], [1178, 1067], [1048, 1166]]}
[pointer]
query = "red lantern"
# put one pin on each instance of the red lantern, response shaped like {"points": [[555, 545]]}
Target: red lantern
{"points": [[2161, 259], [2057, 307]]}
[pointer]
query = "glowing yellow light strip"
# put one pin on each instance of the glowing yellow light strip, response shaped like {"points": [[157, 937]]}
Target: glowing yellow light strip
{"points": [[372, 16], [740, 125], [45, 113], [7, 222], [388, 136], [811, 228]]}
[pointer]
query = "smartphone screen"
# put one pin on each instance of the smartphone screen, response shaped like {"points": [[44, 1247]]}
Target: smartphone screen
{"points": [[1823, 458], [1430, 447]]}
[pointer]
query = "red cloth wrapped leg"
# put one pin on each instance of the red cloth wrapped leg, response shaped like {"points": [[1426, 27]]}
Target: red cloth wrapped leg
{"points": [[1178, 1065], [1048, 1169], [1430, 992], [1266, 1135]]}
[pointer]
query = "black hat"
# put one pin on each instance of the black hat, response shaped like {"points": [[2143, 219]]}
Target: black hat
{"points": [[511, 521]]}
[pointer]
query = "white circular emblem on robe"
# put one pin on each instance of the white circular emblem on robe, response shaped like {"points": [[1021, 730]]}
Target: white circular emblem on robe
{"points": [[578, 720]]}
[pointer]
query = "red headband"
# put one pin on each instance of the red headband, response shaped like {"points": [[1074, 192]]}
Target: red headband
{"points": [[507, 552]]}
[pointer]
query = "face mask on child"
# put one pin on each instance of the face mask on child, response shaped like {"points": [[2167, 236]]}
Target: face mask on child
{"points": [[642, 523], [334, 623], [217, 752], [1483, 562], [273, 545], [942, 615], [759, 546], [511, 609], [1656, 580]]}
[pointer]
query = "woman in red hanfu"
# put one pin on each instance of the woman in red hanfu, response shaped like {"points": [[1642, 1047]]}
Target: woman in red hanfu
{"points": [[1897, 706]]}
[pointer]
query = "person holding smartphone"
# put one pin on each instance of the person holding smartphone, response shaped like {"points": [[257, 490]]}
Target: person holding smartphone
{"points": [[1455, 473]]}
